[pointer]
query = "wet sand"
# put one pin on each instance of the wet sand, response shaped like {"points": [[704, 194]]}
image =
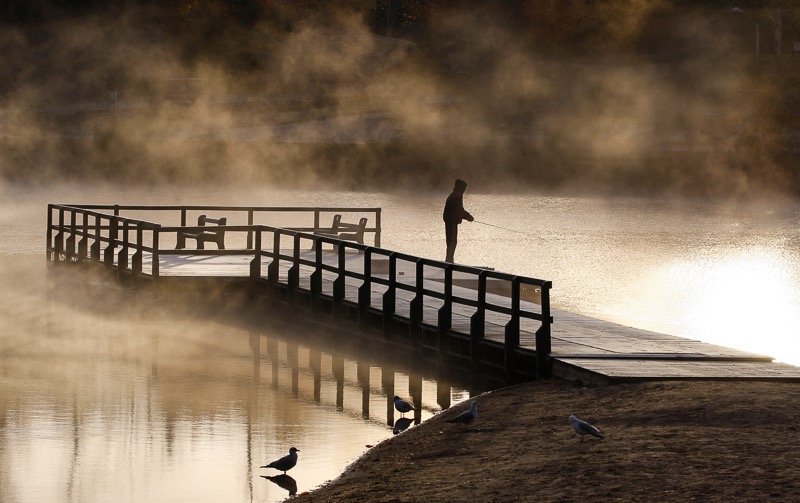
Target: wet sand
{"points": [[664, 441]]}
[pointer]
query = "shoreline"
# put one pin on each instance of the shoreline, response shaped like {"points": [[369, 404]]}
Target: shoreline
{"points": [[710, 440]]}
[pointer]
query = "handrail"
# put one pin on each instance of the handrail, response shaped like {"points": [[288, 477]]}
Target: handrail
{"points": [[249, 211], [127, 239]]}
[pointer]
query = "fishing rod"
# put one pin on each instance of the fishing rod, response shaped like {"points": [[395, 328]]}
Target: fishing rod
{"points": [[498, 227]]}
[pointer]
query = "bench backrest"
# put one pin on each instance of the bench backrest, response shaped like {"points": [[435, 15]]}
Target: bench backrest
{"points": [[203, 219], [337, 220]]}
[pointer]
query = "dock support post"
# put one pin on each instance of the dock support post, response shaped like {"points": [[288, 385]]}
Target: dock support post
{"points": [[363, 375], [415, 390], [315, 362], [337, 368], [387, 383]]}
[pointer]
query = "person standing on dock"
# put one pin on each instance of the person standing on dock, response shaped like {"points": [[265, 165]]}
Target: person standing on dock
{"points": [[453, 214]]}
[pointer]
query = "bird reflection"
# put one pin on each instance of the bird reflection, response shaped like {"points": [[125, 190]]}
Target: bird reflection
{"points": [[284, 482], [402, 424]]}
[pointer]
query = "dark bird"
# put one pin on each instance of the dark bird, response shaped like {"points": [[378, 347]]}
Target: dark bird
{"points": [[285, 463], [284, 482], [468, 416], [583, 428], [402, 406]]}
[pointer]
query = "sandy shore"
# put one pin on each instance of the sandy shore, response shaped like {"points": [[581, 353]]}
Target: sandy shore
{"points": [[670, 441]]}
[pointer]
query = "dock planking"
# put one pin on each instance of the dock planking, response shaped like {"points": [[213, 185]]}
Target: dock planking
{"points": [[583, 348]]}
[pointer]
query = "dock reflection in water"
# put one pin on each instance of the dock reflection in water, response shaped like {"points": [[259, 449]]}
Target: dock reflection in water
{"points": [[131, 408]]}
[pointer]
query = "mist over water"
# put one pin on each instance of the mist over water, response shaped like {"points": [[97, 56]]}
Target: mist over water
{"points": [[332, 104]]}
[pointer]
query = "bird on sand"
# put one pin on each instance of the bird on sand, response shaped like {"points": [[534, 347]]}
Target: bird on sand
{"points": [[402, 406], [468, 416], [583, 428], [285, 463]]}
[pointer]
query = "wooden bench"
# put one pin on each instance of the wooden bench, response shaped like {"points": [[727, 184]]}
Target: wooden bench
{"points": [[212, 235], [344, 230]]}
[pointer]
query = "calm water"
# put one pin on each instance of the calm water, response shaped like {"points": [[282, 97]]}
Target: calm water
{"points": [[111, 405]]}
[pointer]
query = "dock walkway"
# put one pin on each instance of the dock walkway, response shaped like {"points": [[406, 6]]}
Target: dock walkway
{"points": [[583, 348], [479, 315]]}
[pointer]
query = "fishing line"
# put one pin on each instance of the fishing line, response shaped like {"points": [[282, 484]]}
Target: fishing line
{"points": [[503, 228]]}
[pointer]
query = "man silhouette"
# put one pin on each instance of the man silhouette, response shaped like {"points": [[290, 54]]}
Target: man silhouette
{"points": [[453, 213]]}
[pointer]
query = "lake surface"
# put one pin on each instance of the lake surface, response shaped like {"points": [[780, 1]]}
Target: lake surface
{"points": [[134, 404]]}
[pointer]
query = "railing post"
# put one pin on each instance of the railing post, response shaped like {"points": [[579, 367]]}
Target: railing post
{"points": [[273, 269], [122, 256], [378, 228], [70, 244], [49, 233], [389, 296], [58, 245], [255, 265], [415, 308], [250, 232], [543, 336], [365, 290], [339, 282], [136, 260], [316, 276], [293, 279], [477, 323], [108, 254], [98, 238], [82, 243], [512, 328], [180, 240], [156, 240], [445, 318]]}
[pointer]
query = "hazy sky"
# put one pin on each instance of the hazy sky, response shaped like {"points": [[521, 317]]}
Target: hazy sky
{"points": [[338, 105]]}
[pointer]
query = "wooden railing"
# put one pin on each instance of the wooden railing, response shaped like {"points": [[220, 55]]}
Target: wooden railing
{"points": [[90, 233]]}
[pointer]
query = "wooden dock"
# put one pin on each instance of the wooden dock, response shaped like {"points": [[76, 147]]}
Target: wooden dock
{"points": [[470, 316]]}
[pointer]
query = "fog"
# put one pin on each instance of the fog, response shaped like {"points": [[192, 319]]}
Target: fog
{"points": [[334, 105]]}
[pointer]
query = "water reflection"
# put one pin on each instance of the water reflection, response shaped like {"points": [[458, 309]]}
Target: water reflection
{"points": [[283, 481], [127, 404]]}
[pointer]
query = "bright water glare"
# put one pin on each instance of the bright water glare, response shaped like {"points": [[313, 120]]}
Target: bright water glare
{"points": [[101, 404]]}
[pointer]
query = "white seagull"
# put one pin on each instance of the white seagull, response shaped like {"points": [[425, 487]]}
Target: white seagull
{"points": [[468, 416], [402, 406], [285, 463], [583, 428]]}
